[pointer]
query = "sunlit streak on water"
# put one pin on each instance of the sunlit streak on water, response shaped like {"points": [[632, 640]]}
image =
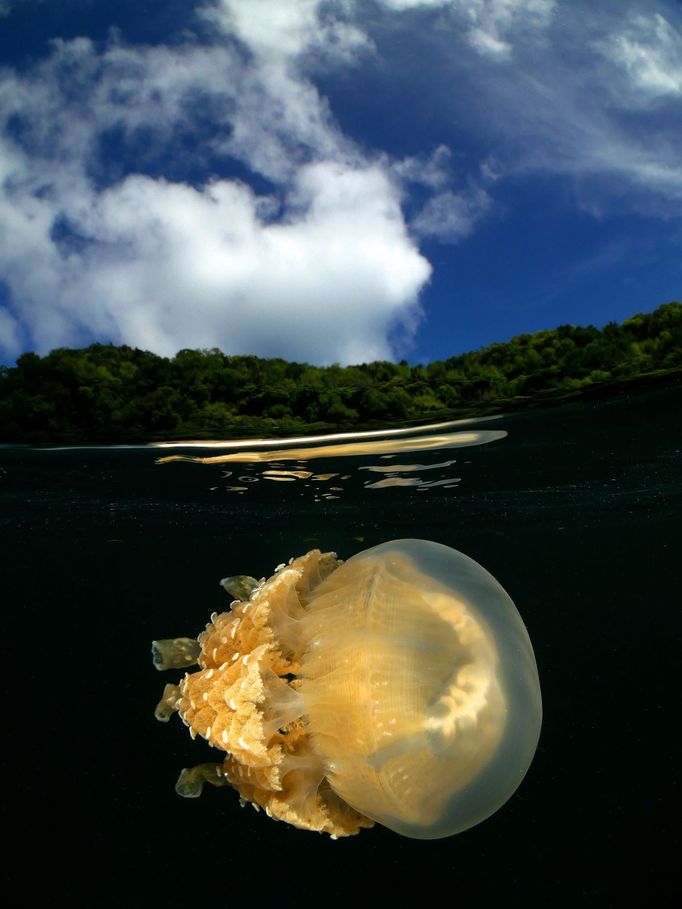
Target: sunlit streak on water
{"points": [[349, 449], [329, 437]]}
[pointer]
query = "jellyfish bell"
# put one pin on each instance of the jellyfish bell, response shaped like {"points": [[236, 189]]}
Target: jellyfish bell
{"points": [[399, 687]]}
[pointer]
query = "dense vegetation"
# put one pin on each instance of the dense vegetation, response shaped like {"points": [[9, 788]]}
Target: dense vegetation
{"points": [[110, 393]]}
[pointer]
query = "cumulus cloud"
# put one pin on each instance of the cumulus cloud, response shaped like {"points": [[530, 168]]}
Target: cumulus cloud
{"points": [[176, 266], [320, 267]]}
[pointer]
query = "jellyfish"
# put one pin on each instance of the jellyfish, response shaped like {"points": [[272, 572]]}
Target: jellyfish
{"points": [[397, 687]]}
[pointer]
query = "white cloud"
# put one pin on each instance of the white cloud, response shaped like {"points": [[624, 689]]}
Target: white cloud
{"points": [[322, 269], [431, 170], [489, 24], [267, 27], [494, 21], [450, 216], [279, 116], [198, 268], [279, 33], [650, 51]]}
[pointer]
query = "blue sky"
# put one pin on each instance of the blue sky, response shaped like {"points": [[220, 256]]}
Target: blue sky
{"points": [[334, 181]]}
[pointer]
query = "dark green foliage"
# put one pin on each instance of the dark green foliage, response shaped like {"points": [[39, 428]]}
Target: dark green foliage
{"points": [[109, 393]]}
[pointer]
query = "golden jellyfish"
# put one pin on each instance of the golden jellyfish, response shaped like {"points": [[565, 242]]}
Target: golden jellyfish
{"points": [[399, 687]]}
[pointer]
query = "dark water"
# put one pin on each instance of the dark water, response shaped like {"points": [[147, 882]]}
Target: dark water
{"points": [[577, 512]]}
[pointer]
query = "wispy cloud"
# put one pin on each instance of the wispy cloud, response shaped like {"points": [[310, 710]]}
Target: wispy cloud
{"points": [[490, 26], [649, 49], [451, 216], [591, 93]]}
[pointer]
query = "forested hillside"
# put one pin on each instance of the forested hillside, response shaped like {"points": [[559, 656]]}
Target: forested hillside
{"points": [[111, 393]]}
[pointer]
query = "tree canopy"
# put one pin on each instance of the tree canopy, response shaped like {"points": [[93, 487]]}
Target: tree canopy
{"points": [[106, 392]]}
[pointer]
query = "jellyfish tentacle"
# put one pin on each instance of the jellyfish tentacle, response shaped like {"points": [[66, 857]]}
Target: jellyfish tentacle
{"points": [[191, 781], [239, 586], [175, 653], [169, 703]]}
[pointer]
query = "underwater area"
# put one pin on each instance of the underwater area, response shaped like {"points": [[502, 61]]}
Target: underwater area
{"points": [[575, 509]]}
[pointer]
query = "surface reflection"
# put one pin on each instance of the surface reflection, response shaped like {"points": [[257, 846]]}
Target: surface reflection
{"points": [[348, 449], [405, 468], [328, 437], [270, 463], [413, 481]]}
